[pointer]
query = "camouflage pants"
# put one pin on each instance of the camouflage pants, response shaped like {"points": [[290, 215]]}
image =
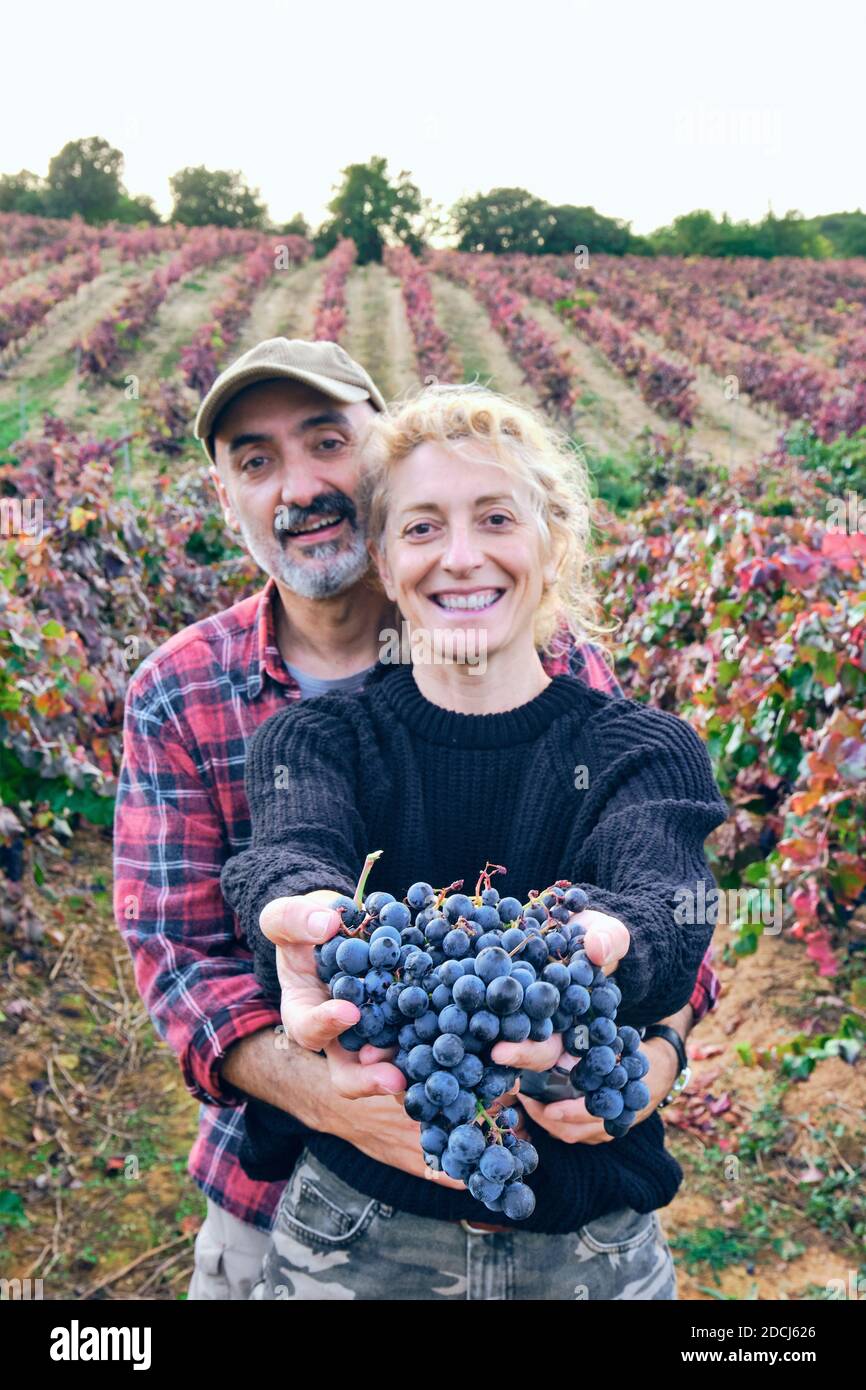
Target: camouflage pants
{"points": [[330, 1242]]}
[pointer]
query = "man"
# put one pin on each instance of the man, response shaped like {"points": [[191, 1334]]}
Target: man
{"points": [[280, 428]]}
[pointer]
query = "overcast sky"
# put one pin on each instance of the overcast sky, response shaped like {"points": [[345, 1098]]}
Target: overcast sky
{"points": [[642, 110]]}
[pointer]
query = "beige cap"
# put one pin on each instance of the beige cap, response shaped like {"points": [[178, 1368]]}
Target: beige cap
{"points": [[326, 366]]}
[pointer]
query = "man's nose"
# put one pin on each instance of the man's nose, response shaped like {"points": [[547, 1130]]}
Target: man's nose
{"points": [[300, 484]]}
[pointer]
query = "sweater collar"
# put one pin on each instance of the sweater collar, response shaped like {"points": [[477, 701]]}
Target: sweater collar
{"points": [[437, 725]]}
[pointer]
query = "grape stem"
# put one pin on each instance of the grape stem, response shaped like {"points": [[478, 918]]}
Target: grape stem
{"points": [[486, 875], [365, 873]]}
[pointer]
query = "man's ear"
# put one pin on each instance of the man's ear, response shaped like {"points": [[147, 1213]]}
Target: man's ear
{"points": [[381, 563], [228, 514]]}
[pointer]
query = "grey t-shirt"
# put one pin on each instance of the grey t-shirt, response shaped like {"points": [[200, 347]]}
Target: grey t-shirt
{"points": [[317, 685]]}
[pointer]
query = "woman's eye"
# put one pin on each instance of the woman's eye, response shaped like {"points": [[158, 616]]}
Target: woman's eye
{"points": [[499, 516], [414, 530]]}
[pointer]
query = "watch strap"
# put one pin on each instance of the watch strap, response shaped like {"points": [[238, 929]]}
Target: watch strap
{"points": [[670, 1035]]}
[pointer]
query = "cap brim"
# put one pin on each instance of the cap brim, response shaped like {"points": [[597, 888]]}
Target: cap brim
{"points": [[216, 401]]}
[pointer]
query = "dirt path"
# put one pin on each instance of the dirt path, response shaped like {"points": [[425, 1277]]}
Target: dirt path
{"points": [[285, 308], [102, 405], [615, 412], [377, 333], [50, 352], [482, 350], [754, 427]]}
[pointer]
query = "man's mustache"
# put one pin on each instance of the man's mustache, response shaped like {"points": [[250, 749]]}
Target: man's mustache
{"points": [[334, 504]]}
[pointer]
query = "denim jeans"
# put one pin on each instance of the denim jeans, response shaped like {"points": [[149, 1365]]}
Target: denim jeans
{"points": [[331, 1242]]}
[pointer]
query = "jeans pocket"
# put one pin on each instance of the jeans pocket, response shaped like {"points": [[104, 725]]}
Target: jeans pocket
{"points": [[625, 1229], [319, 1209], [209, 1278]]}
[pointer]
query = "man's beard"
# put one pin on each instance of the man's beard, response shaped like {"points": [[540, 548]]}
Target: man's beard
{"points": [[349, 564]]}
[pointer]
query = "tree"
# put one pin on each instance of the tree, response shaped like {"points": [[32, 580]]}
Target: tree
{"points": [[215, 197], [567, 227], [371, 207], [296, 226], [506, 219], [132, 210], [22, 192], [84, 178]]}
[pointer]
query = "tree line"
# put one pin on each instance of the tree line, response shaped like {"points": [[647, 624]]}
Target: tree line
{"points": [[376, 208]]}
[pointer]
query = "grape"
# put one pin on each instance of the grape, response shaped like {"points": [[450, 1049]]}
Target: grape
{"points": [[526, 1154], [444, 981], [456, 943], [518, 1201], [484, 1026], [412, 1002], [353, 956], [453, 1019], [448, 1050], [351, 988], [384, 951], [374, 902], [491, 962], [541, 1000], [456, 906], [515, 1027], [467, 1143], [469, 992], [636, 1095], [421, 1062], [461, 1109], [605, 1103], [420, 895], [504, 995], [427, 1026], [441, 1088], [483, 1189], [496, 1163], [509, 910], [433, 1139]]}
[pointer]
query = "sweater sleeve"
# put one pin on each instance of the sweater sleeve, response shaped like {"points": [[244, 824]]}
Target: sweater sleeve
{"points": [[301, 781], [653, 801]]}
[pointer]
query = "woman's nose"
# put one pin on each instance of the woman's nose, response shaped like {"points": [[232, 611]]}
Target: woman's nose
{"points": [[462, 550]]}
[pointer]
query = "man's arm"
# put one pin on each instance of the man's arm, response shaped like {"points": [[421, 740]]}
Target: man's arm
{"points": [[193, 974]]}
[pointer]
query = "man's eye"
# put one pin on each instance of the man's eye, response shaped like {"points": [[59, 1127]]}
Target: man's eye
{"points": [[248, 463], [331, 446]]}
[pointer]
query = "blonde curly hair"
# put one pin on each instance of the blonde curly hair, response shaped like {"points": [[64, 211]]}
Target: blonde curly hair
{"points": [[528, 447]]}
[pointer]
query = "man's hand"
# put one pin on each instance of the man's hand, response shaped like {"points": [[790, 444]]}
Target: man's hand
{"points": [[310, 1016], [570, 1121]]}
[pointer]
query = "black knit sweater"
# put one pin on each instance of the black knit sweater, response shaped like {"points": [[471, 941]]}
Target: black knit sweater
{"points": [[441, 793]]}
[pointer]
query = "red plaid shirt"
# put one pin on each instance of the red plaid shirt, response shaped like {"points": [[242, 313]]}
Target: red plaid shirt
{"points": [[181, 813]]}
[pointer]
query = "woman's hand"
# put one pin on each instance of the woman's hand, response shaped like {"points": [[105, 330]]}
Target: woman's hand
{"points": [[310, 1016], [607, 938], [606, 942]]}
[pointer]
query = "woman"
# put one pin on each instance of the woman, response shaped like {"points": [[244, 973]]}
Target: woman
{"points": [[477, 518]]}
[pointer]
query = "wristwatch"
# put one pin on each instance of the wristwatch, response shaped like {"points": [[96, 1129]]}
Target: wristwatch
{"points": [[662, 1030]]}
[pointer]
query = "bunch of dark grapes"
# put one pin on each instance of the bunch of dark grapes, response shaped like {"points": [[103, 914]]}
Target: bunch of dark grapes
{"points": [[442, 977]]}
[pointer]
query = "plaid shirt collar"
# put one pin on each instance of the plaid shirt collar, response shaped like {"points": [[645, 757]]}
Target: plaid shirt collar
{"points": [[265, 656]]}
